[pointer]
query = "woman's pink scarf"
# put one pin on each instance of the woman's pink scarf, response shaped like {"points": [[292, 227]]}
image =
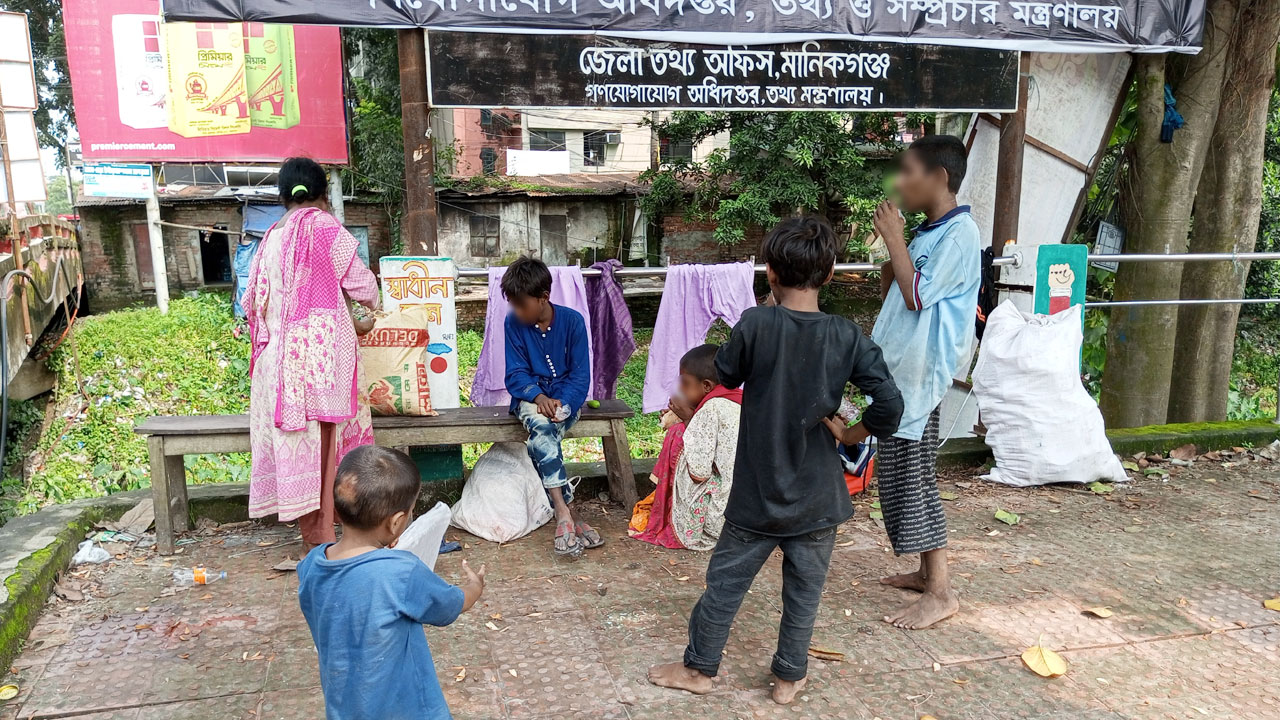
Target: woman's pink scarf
{"points": [[317, 373]]}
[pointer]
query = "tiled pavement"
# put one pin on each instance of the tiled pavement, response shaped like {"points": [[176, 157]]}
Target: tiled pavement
{"points": [[1185, 565]]}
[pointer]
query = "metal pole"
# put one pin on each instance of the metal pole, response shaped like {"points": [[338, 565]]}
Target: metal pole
{"points": [[1196, 301], [418, 228], [1187, 257], [159, 272], [1013, 133], [337, 206]]}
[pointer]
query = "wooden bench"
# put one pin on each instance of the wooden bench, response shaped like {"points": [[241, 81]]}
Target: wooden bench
{"points": [[170, 438]]}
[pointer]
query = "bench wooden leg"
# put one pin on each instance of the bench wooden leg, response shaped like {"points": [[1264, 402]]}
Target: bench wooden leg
{"points": [[168, 493], [617, 462]]}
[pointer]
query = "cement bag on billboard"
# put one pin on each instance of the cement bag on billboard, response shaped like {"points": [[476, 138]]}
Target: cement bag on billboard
{"points": [[394, 361], [1042, 425], [207, 92], [503, 499]]}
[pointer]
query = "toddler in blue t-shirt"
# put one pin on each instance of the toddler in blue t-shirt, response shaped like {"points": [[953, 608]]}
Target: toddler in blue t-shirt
{"points": [[366, 603]]}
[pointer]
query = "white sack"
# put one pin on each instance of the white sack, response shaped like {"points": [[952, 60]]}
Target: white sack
{"points": [[1042, 425], [424, 535], [503, 499]]}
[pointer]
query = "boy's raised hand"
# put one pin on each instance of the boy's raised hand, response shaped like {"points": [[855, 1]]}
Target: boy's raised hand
{"points": [[888, 222], [473, 586], [847, 435]]}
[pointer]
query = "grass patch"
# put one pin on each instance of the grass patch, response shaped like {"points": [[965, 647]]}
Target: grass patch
{"points": [[135, 364]]}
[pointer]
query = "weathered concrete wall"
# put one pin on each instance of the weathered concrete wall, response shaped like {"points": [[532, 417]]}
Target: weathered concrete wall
{"points": [[593, 226], [48, 243], [111, 257]]}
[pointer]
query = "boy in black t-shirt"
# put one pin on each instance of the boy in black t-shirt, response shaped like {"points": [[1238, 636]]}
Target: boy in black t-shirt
{"points": [[793, 362]]}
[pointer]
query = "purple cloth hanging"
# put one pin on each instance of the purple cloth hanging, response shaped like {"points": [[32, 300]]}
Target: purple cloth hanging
{"points": [[612, 338], [490, 384], [692, 298]]}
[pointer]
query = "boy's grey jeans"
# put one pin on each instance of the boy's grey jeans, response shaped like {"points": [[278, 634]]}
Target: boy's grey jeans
{"points": [[738, 556]]}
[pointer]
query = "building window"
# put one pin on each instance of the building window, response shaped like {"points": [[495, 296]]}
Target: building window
{"points": [[486, 118], [484, 236], [488, 161], [594, 147], [546, 140], [675, 151]]}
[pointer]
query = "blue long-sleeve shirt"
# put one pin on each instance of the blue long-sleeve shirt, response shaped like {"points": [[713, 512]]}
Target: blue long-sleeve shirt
{"points": [[555, 363]]}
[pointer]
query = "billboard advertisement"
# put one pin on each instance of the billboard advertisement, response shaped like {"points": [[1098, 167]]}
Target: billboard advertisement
{"points": [[151, 91]]}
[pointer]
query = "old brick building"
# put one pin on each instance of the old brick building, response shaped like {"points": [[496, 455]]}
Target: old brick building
{"points": [[203, 228]]}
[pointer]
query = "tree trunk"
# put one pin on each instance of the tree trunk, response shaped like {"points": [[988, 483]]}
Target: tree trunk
{"points": [[1227, 211], [1163, 181]]}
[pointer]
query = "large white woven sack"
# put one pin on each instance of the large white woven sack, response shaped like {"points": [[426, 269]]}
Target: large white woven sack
{"points": [[1042, 425]]}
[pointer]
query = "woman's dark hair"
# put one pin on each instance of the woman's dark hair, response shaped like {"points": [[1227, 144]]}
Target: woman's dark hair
{"points": [[526, 277], [301, 180], [801, 251], [372, 484], [700, 362], [942, 151]]}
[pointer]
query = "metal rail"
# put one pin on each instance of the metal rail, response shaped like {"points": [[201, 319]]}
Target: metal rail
{"points": [[1014, 260], [1208, 301]]}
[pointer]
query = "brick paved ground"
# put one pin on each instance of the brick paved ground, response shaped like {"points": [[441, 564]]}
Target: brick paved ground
{"points": [[1185, 565]]}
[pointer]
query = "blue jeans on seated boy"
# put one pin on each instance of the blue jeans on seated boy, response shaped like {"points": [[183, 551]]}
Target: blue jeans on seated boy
{"points": [[737, 559], [545, 437]]}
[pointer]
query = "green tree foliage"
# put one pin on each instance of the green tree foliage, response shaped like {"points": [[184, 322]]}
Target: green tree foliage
{"points": [[56, 116], [776, 164], [377, 140]]}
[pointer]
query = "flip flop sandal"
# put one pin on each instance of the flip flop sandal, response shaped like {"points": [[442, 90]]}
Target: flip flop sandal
{"points": [[566, 543], [588, 536]]}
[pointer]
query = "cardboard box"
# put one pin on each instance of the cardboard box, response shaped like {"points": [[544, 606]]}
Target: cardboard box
{"points": [[207, 91], [271, 75]]}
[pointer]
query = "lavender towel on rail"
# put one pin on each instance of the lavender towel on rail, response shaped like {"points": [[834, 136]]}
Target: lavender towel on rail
{"points": [[612, 338], [693, 297], [490, 384]]}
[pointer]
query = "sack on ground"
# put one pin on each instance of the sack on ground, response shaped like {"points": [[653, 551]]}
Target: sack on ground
{"points": [[503, 499], [394, 364], [1042, 425]]}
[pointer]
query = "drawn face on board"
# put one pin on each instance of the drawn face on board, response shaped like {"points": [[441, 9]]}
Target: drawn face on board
{"points": [[1061, 278]]}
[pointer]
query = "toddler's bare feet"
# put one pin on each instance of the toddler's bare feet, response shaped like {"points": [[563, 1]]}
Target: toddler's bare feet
{"points": [[675, 675], [906, 581], [784, 691], [929, 609]]}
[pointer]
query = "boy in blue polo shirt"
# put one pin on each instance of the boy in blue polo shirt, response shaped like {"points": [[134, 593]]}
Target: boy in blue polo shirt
{"points": [[926, 330]]}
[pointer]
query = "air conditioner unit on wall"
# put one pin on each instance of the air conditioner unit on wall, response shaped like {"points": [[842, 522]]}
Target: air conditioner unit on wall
{"points": [[612, 137]]}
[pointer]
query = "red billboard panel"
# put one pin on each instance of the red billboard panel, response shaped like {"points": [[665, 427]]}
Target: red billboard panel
{"points": [[149, 91]]}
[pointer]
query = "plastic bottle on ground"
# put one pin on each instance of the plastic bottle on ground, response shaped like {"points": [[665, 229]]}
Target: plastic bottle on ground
{"points": [[186, 577]]}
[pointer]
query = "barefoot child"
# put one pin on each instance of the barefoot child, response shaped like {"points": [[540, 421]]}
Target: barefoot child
{"points": [[548, 373], [694, 472], [366, 603], [925, 329], [792, 362]]}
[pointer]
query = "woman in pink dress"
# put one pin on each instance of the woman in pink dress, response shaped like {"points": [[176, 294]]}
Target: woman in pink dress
{"points": [[305, 408]]}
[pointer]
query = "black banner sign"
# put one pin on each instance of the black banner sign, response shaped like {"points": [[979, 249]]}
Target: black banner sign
{"points": [[1049, 26], [584, 71]]}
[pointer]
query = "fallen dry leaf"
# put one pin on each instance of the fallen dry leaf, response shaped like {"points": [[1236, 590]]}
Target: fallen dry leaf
{"points": [[1186, 452], [462, 675], [960, 681], [937, 667], [1101, 611], [491, 626], [1272, 604], [513, 672], [1044, 662], [825, 654], [141, 627]]}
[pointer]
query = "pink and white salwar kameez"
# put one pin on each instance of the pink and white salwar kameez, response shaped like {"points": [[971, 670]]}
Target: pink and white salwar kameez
{"points": [[305, 409]]}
